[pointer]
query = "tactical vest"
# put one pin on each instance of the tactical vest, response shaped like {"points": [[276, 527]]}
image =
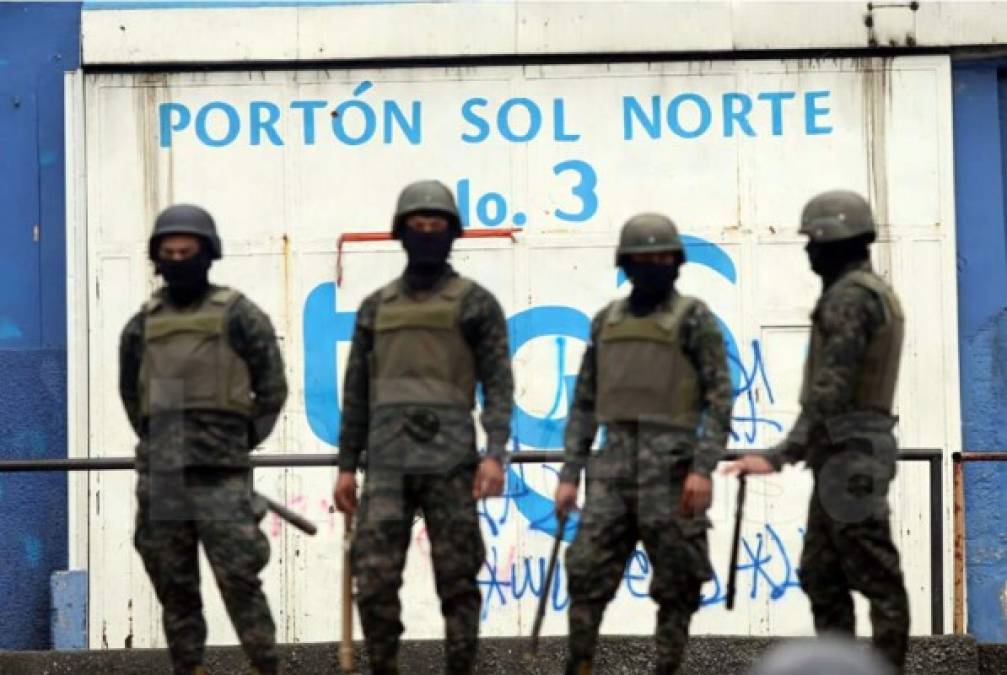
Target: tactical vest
{"points": [[420, 354], [643, 372], [879, 370], [188, 362]]}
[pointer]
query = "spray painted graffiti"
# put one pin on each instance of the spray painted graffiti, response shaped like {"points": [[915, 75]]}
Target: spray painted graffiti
{"points": [[328, 329], [508, 575], [765, 564]]}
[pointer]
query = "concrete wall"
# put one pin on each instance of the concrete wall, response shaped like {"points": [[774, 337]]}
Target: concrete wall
{"points": [[570, 166], [127, 32], [980, 110], [38, 42]]}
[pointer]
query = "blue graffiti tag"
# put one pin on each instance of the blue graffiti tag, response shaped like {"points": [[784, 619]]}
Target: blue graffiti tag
{"points": [[745, 390], [501, 584], [766, 564]]}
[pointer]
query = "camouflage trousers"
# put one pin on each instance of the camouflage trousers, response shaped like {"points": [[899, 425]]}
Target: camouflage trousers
{"points": [[384, 522], [848, 549], [177, 512], [619, 512]]}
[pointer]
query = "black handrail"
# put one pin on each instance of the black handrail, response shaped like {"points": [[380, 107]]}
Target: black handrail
{"points": [[932, 457]]}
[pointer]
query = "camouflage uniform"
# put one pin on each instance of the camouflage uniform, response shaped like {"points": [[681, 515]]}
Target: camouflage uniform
{"points": [[194, 486], [422, 457], [634, 486], [852, 453]]}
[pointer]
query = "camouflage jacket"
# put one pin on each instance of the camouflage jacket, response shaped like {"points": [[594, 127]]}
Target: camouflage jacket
{"points": [[847, 315], [380, 431], [207, 438], [704, 346]]}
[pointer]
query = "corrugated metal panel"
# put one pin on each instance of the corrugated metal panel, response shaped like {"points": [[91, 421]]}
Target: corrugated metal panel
{"points": [[566, 153]]}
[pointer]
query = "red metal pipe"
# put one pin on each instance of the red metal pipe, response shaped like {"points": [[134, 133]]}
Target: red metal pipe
{"points": [[357, 237]]}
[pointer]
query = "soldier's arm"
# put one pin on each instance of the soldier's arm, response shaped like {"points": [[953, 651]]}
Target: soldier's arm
{"points": [[356, 388], [581, 425], [130, 351], [485, 329], [848, 320], [794, 447], [704, 345], [254, 340]]}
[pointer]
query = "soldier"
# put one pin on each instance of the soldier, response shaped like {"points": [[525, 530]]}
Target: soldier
{"points": [[655, 374], [844, 431], [201, 378], [419, 346]]}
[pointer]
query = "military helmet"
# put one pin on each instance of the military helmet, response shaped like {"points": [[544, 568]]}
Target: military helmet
{"points": [[837, 215], [426, 196], [185, 219], [648, 233]]}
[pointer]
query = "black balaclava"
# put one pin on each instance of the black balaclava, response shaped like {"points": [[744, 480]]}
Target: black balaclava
{"points": [[829, 261], [652, 283], [428, 255], [186, 280]]}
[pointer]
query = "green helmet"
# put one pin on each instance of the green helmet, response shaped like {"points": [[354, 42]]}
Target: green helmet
{"points": [[648, 233], [185, 219], [426, 196], [837, 215]]}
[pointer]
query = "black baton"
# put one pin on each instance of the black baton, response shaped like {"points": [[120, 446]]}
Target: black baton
{"points": [[732, 571], [540, 613], [295, 519]]}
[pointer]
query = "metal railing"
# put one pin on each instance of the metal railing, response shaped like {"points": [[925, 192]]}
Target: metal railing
{"points": [[933, 458]]}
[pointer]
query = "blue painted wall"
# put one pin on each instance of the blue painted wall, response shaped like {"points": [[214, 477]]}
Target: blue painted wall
{"points": [[38, 42], [980, 113]]}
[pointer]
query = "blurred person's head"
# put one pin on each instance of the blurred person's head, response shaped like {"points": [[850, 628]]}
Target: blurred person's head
{"points": [[824, 656]]}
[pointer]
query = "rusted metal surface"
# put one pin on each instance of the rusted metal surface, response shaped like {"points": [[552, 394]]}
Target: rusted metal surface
{"points": [[959, 559], [360, 237]]}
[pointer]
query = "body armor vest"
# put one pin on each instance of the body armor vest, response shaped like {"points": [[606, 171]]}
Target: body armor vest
{"points": [[188, 362], [420, 354], [643, 373], [879, 370]]}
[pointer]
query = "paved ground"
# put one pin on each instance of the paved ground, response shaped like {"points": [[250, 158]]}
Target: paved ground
{"points": [[948, 655]]}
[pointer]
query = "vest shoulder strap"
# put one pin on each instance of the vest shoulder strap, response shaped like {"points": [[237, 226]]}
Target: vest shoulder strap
{"points": [[673, 316], [453, 289], [456, 287], [877, 285], [667, 318], [154, 303], [390, 291], [616, 311], [224, 296]]}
